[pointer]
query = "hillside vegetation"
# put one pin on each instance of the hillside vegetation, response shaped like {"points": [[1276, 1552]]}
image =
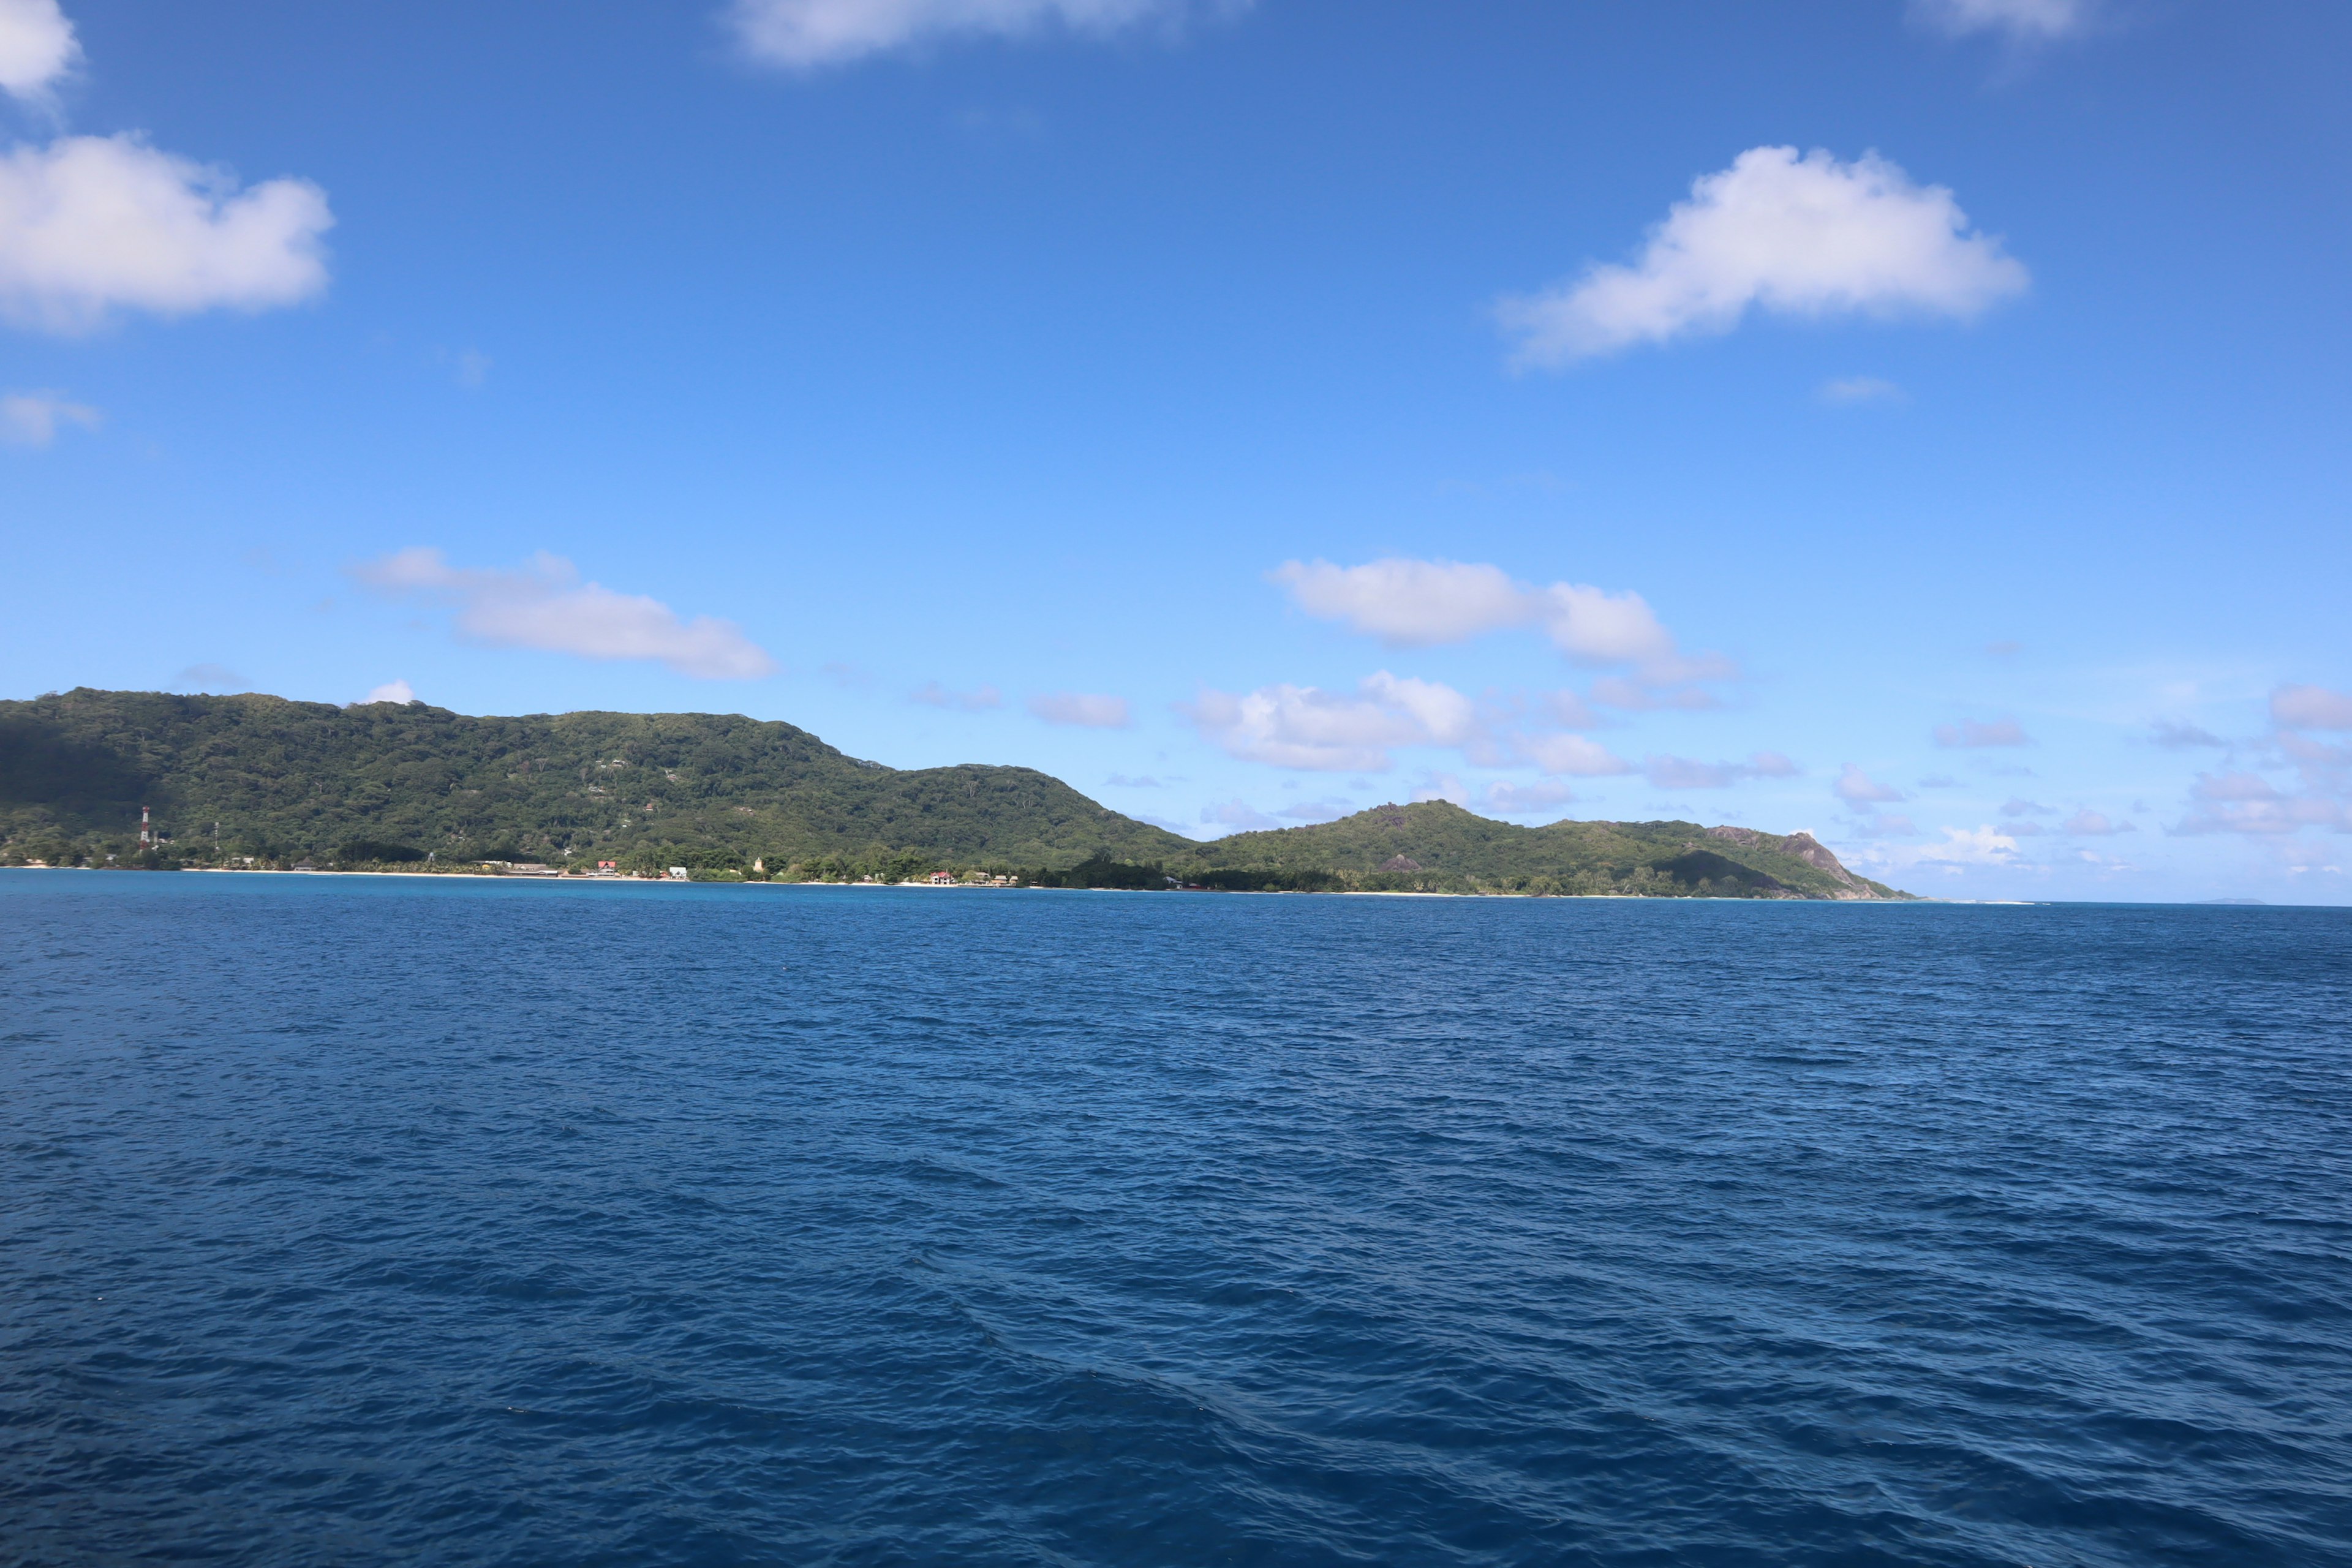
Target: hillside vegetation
{"points": [[291, 780], [260, 780], [1437, 846]]}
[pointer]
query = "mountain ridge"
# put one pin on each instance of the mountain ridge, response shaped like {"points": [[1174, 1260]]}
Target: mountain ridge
{"points": [[273, 780]]}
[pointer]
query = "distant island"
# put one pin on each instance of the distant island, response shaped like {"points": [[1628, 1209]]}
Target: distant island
{"points": [[259, 782]]}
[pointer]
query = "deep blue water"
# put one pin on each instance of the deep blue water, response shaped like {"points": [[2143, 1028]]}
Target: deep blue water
{"points": [[364, 1221]]}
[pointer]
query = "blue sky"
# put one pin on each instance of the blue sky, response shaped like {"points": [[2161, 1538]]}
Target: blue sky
{"points": [[1922, 424]]}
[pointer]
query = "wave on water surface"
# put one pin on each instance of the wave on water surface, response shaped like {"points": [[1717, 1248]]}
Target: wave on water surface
{"points": [[386, 1222]]}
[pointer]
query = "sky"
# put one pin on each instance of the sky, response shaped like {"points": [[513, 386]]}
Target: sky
{"points": [[1922, 423]]}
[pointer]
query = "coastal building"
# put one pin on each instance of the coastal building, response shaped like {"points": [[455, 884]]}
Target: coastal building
{"points": [[680, 874]]}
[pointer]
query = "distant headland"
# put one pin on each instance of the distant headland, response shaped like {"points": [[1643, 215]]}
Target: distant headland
{"points": [[154, 780]]}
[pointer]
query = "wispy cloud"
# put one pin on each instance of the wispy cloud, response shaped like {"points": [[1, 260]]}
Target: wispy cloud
{"points": [[1858, 788], [2310, 708], [1087, 710], [1861, 389], [1974, 733], [1961, 849], [34, 418], [213, 678], [1238, 815], [544, 604], [1507, 799], [932, 694], [1682, 773], [2181, 737], [2023, 21], [1798, 236], [807, 33]]}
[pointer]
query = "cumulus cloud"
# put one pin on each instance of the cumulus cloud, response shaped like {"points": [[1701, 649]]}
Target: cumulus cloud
{"points": [[391, 691], [1506, 799], [544, 605], [1975, 734], [33, 418], [1857, 788], [90, 224], [2027, 21], [1084, 709], [2017, 805], [806, 34], [2089, 824], [932, 694], [1419, 604], [1806, 235], [1308, 728], [1682, 773], [2310, 708], [37, 48]]}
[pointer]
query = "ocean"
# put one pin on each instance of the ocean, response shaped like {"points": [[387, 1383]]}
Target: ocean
{"points": [[374, 1220]]}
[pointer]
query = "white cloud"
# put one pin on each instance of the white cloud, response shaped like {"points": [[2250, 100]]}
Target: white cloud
{"points": [[1574, 755], [2089, 824], [1506, 799], [1797, 235], [1857, 788], [1441, 786], [32, 418], [2310, 708], [36, 49], [544, 605], [1861, 389], [1419, 604], [1410, 604], [1308, 728], [2018, 806], [2026, 20], [932, 694], [391, 691], [1084, 709], [1326, 810], [90, 225], [1238, 815], [805, 34], [1974, 733], [1961, 850]]}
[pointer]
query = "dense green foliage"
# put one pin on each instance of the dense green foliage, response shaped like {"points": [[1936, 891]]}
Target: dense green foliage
{"points": [[286, 781], [233, 780], [1435, 846]]}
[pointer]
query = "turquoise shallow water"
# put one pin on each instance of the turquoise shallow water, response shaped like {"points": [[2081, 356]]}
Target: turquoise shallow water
{"points": [[373, 1221]]}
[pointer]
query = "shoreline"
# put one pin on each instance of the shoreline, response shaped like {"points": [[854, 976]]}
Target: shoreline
{"points": [[984, 887]]}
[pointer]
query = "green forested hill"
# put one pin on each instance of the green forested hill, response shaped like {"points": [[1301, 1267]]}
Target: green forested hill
{"points": [[286, 780], [1439, 846], [280, 782]]}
